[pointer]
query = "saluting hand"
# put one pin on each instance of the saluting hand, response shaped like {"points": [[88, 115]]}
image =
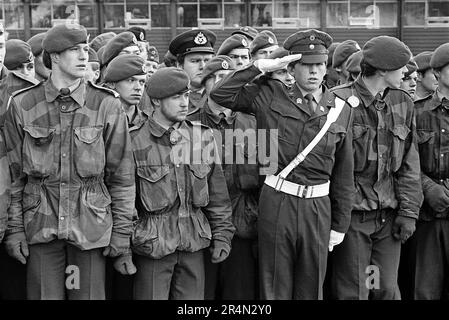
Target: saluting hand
{"points": [[269, 65]]}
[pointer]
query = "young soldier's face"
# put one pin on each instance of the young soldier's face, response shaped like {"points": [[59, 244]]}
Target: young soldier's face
{"points": [[264, 53], [213, 79], [131, 89], [409, 84], [284, 76], [174, 109], [2, 50], [443, 77], [308, 76], [131, 50], [92, 72], [240, 56], [73, 61], [428, 80], [194, 64], [26, 69], [151, 67], [393, 78]]}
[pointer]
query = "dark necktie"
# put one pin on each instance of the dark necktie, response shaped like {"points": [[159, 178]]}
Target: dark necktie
{"points": [[310, 102], [64, 91]]}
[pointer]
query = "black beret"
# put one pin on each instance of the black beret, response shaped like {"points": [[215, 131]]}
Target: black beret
{"points": [[117, 44], [312, 44], [343, 51], [264, 39], [220, 62], [353, 62], [138, 32], [386, 53], [123, 67], [35, 43], [101, 40], [331, 50], [153, 55], [169, 59], [17, 52], [231, 43], [440, 56], [93, 56], [278, 53], [411, 67], [191, 41], [423, 60], [64, 36], [248, 32], [167, 82]]}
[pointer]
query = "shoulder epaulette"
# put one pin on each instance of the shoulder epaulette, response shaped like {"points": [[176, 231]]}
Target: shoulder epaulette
{"points": [[341, 86], [15, 93], [110, 91]]}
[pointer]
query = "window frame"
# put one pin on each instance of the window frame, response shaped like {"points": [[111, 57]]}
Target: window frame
{"points": [[426, 16]]}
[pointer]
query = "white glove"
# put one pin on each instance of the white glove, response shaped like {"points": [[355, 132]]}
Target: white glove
{"points": [[269, 65], [335, 239]]}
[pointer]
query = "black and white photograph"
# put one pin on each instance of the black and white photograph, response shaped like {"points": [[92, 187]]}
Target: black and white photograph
{"points": [[224, 154]]}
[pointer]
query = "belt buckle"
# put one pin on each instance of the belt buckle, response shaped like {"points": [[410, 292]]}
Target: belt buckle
{"points": [[302, 191], [279, 183]]}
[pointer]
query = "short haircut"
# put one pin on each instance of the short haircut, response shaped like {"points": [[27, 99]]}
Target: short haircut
{"points": [[367, 70]]}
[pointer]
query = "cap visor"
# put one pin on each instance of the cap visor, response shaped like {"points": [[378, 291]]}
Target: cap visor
{"points": [[200, 50]]}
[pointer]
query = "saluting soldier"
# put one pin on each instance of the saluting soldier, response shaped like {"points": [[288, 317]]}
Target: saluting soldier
{"points": [[237, 276], [182, 201], [431, 239], [72, 175], [304, 210], [386, 172]]}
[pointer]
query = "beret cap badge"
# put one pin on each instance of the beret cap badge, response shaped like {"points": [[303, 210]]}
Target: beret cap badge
{"points": [[142, 37], [270, 40], [244, 43], [200, 39], [225, 65]]}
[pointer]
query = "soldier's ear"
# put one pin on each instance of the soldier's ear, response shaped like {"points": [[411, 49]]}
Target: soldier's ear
{"points": [[290, 69], [156, 102]]}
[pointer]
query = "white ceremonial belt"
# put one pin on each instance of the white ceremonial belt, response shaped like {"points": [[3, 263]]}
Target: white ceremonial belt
{"points": [[280, 184]]}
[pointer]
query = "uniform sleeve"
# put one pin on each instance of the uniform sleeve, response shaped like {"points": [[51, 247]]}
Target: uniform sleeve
{"points": [[119, 175], [14, 134], [235, 92], [342, 190], [219, 209], [5, 185], [408, 178]]}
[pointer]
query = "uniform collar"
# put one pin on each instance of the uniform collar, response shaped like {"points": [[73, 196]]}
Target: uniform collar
{"points": [[365, 94], [77, 93], [216, 117], [158, 131], [435, 101], [326, 102], [15, 79]]}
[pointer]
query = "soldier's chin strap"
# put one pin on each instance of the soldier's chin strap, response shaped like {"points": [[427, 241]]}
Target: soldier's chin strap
{"points": [[332, 116]]}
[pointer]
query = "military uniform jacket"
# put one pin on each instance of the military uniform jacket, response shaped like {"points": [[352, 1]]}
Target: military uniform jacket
{"points": [[11, 83], [71, 166], [5, 185], [239, 162], [286, 111], [182, 202], [386, 160], [432, 125]]}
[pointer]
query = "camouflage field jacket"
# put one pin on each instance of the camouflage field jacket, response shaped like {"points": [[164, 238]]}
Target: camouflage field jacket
{"points": [[71, 167]]}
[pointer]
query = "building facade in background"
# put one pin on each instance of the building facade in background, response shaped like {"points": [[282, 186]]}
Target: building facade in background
{"points": [[422, 24]]}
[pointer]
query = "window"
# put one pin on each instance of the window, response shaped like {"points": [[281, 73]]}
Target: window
{"points": [[160, 14], [430, 13], [44, 13], [12, 14], [187, 14], [261, 13], [362, 13], [234, 14], [114, 14], [309, 14]]}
